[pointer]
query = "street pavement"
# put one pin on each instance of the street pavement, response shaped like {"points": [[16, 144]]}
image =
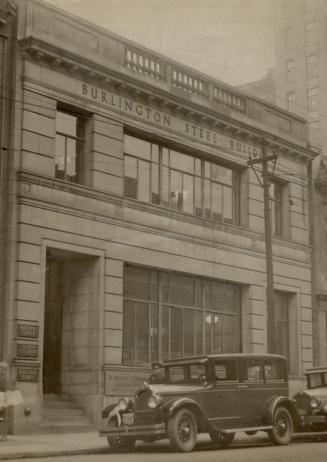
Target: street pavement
{"points": [[89, 446]]}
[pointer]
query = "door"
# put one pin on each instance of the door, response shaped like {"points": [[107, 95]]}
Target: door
{"points": [[226, 404], [52, 328], [253, 392]]}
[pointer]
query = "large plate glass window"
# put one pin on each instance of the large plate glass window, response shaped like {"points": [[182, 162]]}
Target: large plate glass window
{"points": [[171, 315]]}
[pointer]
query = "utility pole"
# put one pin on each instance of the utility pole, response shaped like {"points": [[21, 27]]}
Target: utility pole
{"points": [[265, 183]]}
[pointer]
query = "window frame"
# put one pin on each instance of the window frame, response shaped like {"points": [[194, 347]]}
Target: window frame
{"points": [[166, 309], [79, 138], [165, 171]]}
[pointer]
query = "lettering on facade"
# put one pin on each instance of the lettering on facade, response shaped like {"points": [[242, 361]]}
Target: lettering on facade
{"points": [[168, 121], [126, 105], [25, 374], [122, 383], [27, 331], [27, 350]]}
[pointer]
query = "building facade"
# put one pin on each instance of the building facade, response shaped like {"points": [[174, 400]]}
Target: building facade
{"points": [[137, 226], [301, 69]]}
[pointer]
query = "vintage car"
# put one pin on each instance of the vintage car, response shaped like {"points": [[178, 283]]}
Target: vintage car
{"points": [[215, 394], [312, 402]]}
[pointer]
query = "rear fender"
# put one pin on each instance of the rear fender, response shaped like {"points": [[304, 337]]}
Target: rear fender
{"points": [[276, 401]]}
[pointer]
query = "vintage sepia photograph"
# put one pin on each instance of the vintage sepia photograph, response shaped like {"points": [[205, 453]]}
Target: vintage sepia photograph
{"points": [[163, 230]]}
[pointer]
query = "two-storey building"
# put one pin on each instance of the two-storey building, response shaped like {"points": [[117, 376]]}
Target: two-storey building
{"points": [[137, 228]]}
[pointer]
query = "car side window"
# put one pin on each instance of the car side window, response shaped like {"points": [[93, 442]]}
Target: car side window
{"points": [[253, 370], [273, 370], [225, 371]]}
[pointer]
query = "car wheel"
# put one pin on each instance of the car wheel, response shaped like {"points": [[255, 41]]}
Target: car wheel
{"points": [[182, 430], [222, 440], [282, 430], [120, 443]]}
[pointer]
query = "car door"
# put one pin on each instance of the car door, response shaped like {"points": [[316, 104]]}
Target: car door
{"points": [[225, 410], [253, 394]]}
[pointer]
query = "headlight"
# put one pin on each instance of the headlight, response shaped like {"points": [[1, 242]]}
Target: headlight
{"points": [[154, 401], [315, 403], [123, 404], [325, 408]]}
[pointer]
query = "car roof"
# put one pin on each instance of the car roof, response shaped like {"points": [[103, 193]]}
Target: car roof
{"points": [[316, 369], [205, 358]]}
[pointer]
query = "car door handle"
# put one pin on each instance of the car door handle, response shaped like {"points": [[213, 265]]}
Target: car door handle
{"points": [[243, 386]]}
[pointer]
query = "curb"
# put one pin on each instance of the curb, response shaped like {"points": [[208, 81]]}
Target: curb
{"points": [[52, 453]]}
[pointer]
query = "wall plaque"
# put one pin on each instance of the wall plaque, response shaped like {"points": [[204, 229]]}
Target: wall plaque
{"points": [[27, 350], [25, 374], [27, 330], [123, 382]]}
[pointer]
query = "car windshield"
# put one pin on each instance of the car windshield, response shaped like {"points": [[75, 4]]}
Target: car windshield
{"points": [[316, 380], [187, 373], [157, 376]]}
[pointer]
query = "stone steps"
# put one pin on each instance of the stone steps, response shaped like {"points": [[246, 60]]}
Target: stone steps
{"points": [[61, 414]]}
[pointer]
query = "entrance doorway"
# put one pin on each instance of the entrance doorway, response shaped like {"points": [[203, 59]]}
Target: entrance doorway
{"points": [[72, 346], [52, 327]]}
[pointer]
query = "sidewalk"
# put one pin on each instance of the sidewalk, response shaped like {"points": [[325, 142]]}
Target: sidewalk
{"points": [[46, 445], [61, 444]]}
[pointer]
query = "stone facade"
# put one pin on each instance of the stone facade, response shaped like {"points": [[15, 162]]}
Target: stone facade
{"points": [[75, 237]]}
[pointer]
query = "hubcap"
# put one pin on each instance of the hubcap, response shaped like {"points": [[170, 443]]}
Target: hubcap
{"points": [[184, 430], [281, 426]]}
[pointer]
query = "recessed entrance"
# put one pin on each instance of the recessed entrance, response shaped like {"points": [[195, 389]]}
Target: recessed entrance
{"points": [[72, 330]]}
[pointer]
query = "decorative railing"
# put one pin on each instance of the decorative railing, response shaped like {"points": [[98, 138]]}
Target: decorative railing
{"points": [[112, 52], [190, 83], [144, 63], [228, 98]]}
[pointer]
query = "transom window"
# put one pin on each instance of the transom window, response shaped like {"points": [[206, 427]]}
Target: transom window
{"points": [[162, 176], [69, 154], [170, 315]]}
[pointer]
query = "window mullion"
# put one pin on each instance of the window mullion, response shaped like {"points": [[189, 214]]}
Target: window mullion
{"points": [[150, 331], [65, 159], [160, 314], [135, 336]]}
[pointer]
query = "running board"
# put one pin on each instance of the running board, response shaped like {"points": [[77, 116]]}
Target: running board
{"points": [[248, 429]]}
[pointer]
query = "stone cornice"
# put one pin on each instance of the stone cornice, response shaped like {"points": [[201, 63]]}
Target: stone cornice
{"points": [[114, 77]]}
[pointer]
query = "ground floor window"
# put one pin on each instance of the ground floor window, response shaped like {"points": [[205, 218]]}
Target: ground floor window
{"points": [[319, 332], [278, 325], [170, 315]]}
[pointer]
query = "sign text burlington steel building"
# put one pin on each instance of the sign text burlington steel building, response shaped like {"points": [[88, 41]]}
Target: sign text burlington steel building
{"points": [[166, 120]]}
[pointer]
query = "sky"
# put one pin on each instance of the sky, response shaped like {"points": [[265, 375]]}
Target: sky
{"points": [[231, 40]]}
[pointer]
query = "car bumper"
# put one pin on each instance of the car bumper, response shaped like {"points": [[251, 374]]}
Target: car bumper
{"points": [[308, 419], [134, 430]]}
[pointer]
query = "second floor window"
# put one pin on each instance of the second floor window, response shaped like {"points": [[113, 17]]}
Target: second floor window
{"points": [[312, 66], [69, 155], [290, 67], [162, 176], [277, 207], [290, 100]]}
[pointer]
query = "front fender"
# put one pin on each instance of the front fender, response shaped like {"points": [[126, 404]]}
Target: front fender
{"points": [[169, 407], [273, 403], [106, 411]]}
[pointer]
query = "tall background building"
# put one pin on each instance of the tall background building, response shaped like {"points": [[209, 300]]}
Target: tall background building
{"points": [[301, 87]]}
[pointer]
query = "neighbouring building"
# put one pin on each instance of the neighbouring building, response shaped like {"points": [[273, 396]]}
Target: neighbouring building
{"points": [[8, 41], [136, 226], [264, 88], [301, 87]]}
